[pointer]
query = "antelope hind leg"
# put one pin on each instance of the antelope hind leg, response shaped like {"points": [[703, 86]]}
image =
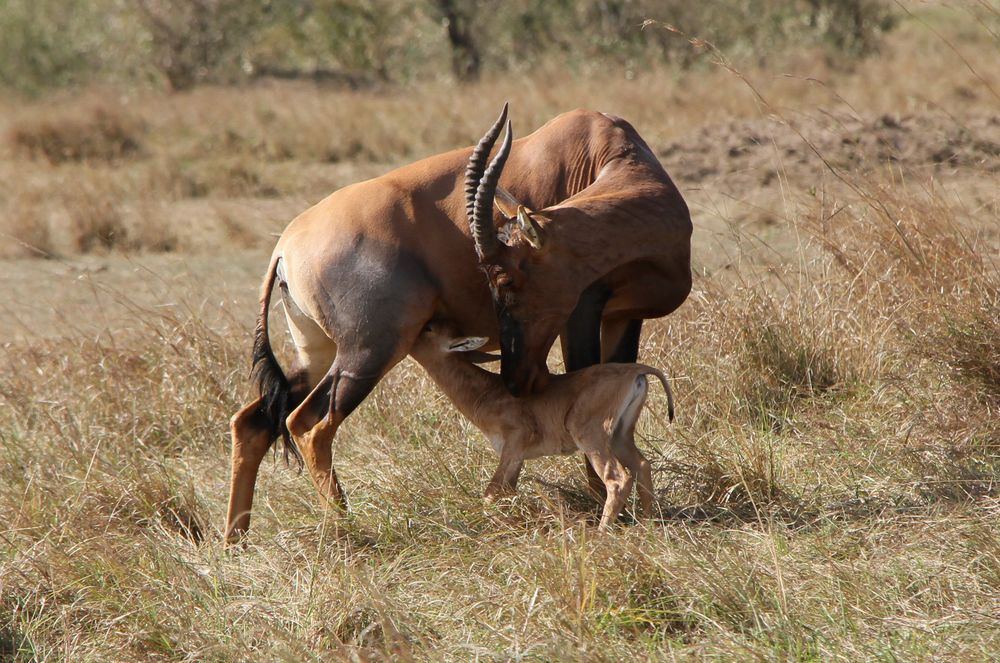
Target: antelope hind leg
{"points": [[316, 446], [313, 425], [315, 422], [251, 438]]}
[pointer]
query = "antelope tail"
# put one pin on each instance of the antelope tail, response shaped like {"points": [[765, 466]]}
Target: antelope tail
{"points": [[272, 384], [666, 387]]}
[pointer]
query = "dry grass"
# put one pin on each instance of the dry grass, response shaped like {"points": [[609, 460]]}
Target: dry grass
{"points": [[829, 492], [100, 133], [297, 141]]}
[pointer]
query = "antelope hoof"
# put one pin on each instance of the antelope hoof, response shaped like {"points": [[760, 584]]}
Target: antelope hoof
{"points": [[494, 493], [337, 498]]}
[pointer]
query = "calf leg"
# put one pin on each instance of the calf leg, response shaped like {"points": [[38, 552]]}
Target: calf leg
{"points": [[623, 444], [251, 436], [640, 469], [504, 481], [617, 482], [594, 483], [581, 347]]}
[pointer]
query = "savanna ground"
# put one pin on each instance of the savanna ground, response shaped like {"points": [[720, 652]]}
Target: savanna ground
{"points": [[829, 490]]}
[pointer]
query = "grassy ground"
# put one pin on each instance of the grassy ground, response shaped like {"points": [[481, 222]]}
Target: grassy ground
{"points": [[829, 491]]}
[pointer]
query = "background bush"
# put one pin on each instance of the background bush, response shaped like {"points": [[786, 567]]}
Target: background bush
{"points": [[180, 43]]}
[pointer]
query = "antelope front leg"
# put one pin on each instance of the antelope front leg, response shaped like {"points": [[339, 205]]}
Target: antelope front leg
{"points": [[581, 347]]}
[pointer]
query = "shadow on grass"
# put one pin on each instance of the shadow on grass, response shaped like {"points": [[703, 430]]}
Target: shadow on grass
{"points": [[553, 505], [14, 645], [740, 505]]}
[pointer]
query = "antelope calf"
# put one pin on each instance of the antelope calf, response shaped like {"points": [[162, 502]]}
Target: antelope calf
{"points": [[594, 409]]}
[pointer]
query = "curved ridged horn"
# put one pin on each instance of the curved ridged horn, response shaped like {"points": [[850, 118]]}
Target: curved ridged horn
{"points": [[482, 217], [477, 163]]}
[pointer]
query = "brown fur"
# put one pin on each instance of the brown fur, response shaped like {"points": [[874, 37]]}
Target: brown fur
{"points": [[622, 229], [367, 267]]}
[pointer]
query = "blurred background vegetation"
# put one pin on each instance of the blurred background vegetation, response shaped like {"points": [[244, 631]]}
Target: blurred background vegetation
{"points": [[836, 365], [177, 44]]}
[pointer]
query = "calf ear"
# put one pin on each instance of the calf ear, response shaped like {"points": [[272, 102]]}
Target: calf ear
{"points": [[477, 357], [467, 343], [529, 227]]}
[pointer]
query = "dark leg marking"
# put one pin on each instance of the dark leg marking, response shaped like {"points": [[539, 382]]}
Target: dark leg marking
{"points": [[627, 350], [582, 348], [582, 345]]}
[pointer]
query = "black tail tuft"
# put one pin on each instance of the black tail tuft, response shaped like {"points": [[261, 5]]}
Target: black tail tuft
{"points": [[274, 389]]}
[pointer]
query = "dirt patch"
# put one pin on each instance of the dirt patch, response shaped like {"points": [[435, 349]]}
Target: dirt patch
{"points": [[758, 153]]}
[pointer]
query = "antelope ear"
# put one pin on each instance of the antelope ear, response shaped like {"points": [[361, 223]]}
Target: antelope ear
{"points": [[529, 227], [467, 343], [506, 203]]}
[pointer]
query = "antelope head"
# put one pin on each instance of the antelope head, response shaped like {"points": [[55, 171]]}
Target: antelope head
{"points": [[523, 270]]}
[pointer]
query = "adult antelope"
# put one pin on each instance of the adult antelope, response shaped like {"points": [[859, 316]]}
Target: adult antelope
{"points": [[364, 270]]}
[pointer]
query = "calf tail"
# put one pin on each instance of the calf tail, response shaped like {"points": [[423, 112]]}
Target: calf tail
{"points": [[649, 370], [272, 384]]}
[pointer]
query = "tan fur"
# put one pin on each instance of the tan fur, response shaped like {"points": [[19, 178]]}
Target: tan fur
{"points": [[367, 267], [594, 410]]}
